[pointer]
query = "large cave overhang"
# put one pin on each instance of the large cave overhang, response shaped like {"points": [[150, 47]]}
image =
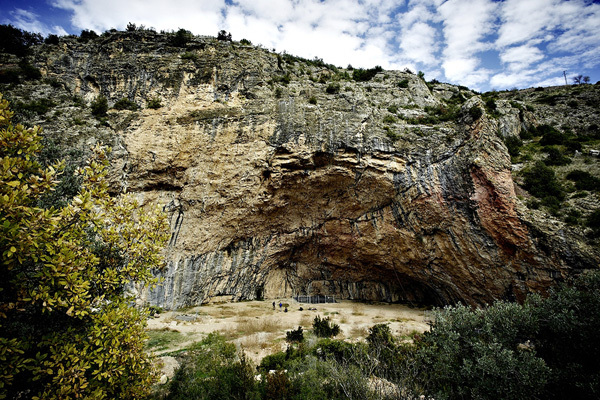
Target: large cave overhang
{"points": [[371, 229], [364, 283], [375, 227]]}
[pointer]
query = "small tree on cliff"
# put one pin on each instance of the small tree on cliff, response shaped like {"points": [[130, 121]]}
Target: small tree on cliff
{"points": [[67, 329]]}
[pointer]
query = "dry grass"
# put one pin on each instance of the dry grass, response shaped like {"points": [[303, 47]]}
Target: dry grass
{"points": [[306, 321], [358, 332], [260, 341], [249, 326], [358, 310]]}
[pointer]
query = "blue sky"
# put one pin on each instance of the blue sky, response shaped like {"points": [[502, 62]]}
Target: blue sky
{"points": [[482, 44]]}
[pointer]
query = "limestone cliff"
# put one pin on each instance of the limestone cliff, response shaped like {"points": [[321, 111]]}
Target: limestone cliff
{"points": [[284, 176]]}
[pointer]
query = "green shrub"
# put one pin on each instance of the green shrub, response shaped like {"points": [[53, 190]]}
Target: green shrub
{"points": [[55, 83], [440, 113], [295, 336], [526, 134], [313, 378], [540, 181], [224, 36], [567, 336], [513, 144], [393, 109], [312, 100], [277, 386], [403, 84], [328, 348], [584, 180], [555, 156], [51, 39], [188, 55], [154, 103], [380, 335], [10, 75], [40, 106], [475, 113], [550, 135], [283, 79], [475, 354], [325, 328], [274, 361], [245, 42], [28, 71], [491, 106], [593, 221], [550, 100], [87, 35], [389, 132], [214, 370], [573, 146], [99, 106], [389, 119], [333, 88], [125, 104], [364, 75]]}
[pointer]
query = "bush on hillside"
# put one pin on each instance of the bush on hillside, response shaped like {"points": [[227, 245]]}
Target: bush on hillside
{"points": [[513, 144], [363, 75], [540, 180], [324, 328], [584, 180], [125, 104], [99, 106], [295, 336]]}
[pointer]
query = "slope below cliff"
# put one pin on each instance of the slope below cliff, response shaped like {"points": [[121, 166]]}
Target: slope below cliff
{"points": [[286, 176]]}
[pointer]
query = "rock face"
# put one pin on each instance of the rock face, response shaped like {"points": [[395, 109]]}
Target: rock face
{"points": [[281, 176]]}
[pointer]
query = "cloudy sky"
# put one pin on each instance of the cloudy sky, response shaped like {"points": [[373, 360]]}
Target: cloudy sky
{"points": [[482, 44]]}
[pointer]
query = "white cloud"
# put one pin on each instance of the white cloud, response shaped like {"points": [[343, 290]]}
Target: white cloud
{"points": [[521, 57], [201, 16], [525, 20], [466, 23], [29, 21], [554, 81], [541, 38], [418, 43]]}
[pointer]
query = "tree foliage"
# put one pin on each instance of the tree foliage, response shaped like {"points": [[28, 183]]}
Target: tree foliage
{"points": [[546, 348], [68, 329], [16, 41], [224, 36], [476, 355]]}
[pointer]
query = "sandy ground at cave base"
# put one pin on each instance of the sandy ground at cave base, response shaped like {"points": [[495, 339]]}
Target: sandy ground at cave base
{"points": [[259, 330]]}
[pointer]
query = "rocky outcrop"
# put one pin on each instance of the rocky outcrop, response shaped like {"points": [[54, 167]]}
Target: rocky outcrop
{"points": [[282, 176]]}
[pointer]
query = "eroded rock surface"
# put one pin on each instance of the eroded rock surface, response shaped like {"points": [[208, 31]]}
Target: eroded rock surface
{"points": [[276, 188]]}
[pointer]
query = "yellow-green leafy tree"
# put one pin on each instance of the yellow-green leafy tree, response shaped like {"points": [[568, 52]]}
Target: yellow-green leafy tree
{"points": [[67, 327]]}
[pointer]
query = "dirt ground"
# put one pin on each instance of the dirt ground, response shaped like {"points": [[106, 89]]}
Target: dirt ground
{"points": [[260, 330]]}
